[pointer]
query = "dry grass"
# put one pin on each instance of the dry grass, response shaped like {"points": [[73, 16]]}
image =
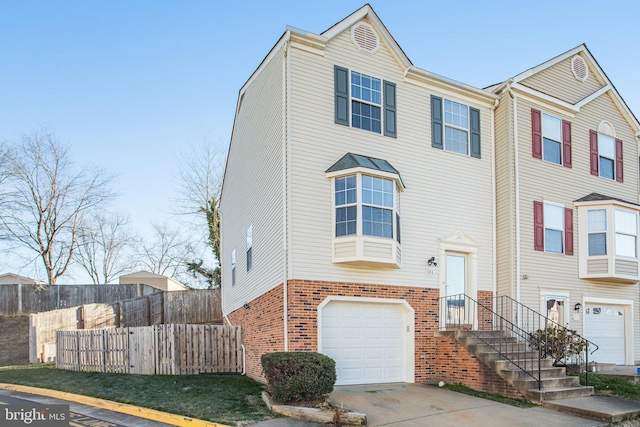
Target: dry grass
{"points": [[14, 340]]}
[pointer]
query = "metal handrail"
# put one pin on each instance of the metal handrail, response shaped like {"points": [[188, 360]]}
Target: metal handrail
{"points": [[523, 337]]}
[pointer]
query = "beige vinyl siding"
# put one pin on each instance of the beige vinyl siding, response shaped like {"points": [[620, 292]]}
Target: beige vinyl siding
{"points": [[558, 81], [252, 192], [505, 189], [544, 181], [445, 192]]}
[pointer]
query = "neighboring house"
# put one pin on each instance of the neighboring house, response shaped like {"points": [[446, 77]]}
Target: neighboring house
{"points": [[158, 281], [14, 279], [567, 200], [360, 189]]}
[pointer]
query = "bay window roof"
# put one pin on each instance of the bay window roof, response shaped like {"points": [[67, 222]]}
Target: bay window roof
{"points": [[352, 161]]}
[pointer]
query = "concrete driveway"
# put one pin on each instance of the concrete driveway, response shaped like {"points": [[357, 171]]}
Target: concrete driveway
{"points": [[404, 405]]}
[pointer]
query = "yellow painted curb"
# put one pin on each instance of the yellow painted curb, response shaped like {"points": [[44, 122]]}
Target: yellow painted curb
{"points": [[150, 414]]}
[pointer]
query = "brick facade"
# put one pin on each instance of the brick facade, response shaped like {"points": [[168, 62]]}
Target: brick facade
{"points": [[262, 328], [436, 358]]}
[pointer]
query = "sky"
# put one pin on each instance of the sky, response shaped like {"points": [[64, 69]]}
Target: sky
{"points": [[132, 84]]}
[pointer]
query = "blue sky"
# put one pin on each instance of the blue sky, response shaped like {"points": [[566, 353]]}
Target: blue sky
{"points": [[130, 84]]}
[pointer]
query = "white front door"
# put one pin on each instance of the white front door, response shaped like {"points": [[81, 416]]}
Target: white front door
{"points": [[455, 288]]}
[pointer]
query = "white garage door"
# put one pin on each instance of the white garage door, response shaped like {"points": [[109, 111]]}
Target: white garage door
{"points": [[604, 325], [367, 341]]}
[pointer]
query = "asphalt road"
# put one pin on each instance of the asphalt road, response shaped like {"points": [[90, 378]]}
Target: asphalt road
{"points": [[80, 415]]}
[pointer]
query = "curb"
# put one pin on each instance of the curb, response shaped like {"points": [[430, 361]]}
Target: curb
{"points": [[123, 408]]}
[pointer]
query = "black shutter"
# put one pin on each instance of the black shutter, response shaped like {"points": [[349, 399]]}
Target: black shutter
{"points": [[341, 83], [390, 109], [436, 122], [474, 115]]}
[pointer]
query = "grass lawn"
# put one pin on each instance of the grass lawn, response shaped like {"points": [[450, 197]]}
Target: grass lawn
{"points": [[225, 399], [605, 385]]}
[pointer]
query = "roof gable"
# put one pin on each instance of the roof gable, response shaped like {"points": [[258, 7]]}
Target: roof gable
{"points": [[594, 68], [372, 19]]}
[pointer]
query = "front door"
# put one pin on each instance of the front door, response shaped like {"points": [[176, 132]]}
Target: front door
{"points": [[455, 288]]}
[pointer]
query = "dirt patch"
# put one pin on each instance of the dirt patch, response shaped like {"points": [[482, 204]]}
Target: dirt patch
{"points": [[14, 340]]}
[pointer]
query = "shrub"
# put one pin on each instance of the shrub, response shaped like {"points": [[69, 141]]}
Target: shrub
{"points": [[297, 377], [559, 344]]}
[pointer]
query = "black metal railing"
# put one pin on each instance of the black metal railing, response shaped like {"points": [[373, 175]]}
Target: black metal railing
{"points": [[517, 334]]}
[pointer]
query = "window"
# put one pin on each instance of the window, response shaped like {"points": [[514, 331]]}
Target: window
{"points": [[365, 102], [553, 228], [608, 240], [455, 127], [376, 204], [346, 208], [606, 155], [233, 266], [551, 138], [366, 99], [626, 233], [366, 211], [250, 247], [597, 230]]}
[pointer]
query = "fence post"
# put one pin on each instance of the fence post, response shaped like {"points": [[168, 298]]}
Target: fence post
{"points": [[19, 298], [165, 307], [81, 315], [149, 320], [119, 315]]}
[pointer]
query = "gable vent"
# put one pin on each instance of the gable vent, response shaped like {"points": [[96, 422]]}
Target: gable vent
{"points": [[579, 68], [365, 37]]}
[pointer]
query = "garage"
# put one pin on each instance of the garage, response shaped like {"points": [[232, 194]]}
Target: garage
{"points": [[368, 341], [604, 325]]}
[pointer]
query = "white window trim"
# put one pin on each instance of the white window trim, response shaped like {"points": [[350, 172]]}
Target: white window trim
{"points": [[358, 241], [562, 230], [611, 257], [452, 126], [380, 106], [249, 247], [561, 142]]}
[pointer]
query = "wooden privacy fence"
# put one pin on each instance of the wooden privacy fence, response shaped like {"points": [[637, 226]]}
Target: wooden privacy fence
{"points": [[152, 350], [185, 307], [18, 299]]}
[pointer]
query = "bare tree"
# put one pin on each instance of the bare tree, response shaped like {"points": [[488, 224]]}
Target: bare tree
{"points": [[47, 197], [105, 247], [168, 253], [200, 180]]}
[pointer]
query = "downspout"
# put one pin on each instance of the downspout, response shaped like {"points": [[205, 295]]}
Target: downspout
{"points": [[285, 147], [517, 191], [495, 199]]}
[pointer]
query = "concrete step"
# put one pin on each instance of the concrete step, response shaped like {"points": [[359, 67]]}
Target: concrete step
{"points": [[555, 393], [547, 383], [529, 364], [514, 374], [601, 408], [490, 356], [507, 348]]}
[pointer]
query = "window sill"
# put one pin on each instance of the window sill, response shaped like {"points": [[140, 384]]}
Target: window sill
{"points": [[367, 250]]}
